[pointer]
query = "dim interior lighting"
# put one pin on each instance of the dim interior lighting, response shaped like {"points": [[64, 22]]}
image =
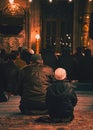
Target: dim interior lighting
{"points": [[37, 43], [90, 0], [37, 36], [50, 1], [13, 9], [87, 17], [88, 43], [68, 37], [70, 0], [30, 0], [11, 1]]}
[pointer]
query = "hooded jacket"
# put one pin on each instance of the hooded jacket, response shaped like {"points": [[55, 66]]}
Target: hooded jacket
{"points": [[61, 99]]}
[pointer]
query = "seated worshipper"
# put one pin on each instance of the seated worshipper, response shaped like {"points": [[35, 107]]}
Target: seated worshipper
{"points": [[11, 72], [33, 82], [18, 61], [61, 98]]}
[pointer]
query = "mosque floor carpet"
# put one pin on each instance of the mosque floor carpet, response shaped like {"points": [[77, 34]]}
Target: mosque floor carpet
{"points": [[12, 119]]}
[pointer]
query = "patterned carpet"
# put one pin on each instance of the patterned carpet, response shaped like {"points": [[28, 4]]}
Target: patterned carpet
{"points": [[12, 119], [83, 121]]}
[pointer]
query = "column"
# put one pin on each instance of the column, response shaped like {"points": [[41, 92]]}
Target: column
{"points": [[35, 26], [85, 24], [75, 26], [27, 24]]}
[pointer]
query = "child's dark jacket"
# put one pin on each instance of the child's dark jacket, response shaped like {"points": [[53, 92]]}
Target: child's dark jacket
{"points": [[61, 99]]}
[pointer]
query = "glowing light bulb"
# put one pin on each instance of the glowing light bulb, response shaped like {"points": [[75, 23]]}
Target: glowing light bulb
{"points": [[11, 1], [30, 0], [90, 0], [50, 1], [37, 36], [70, 0]]}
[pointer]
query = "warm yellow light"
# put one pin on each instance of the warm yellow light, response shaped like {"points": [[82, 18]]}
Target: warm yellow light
{"points": [[37, 43], [11, 1], [87, 17], [88, 43], [30, 0], [37, 36], [50, 1], [13, 9], [70, 0]]}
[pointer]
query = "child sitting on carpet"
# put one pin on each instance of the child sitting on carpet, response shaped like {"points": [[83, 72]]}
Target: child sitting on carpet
{"points": [[60, 99]]}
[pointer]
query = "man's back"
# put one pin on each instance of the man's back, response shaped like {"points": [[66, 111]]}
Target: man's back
{"points": [[34, 79], [33, 82]]}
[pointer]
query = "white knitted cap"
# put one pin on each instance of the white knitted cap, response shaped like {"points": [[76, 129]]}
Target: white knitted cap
{"points": [[60, 74], [31, 51]]}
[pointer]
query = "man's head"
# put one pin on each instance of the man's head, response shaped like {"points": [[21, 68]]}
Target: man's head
{"points": [[60, 74], [36, 58]]}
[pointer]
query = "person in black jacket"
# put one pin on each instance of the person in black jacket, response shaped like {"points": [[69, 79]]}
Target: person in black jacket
{"points": [[61, 98], [33, 81]]}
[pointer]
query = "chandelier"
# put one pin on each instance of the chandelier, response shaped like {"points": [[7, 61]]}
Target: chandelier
{"points": [[13, 9], [12, 19]]}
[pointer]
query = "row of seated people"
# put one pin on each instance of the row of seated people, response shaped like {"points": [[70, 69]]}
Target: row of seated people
{"points": [[43, 89], [79, 66]]}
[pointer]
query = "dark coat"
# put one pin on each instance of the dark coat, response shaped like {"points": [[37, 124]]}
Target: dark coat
{"points": [[33, 82], [61, 99], [3, 86], [11, 72], [50, 59], [69, 63]]}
